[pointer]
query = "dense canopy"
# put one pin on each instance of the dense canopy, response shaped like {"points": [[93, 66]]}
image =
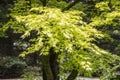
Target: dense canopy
{"points": [[74, 35]]}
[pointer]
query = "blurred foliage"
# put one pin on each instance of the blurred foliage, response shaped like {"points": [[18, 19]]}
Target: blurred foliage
{"points": [[11, 67], [30, 76]]}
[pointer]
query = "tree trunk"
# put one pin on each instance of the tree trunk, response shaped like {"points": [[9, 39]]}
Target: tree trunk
{"points": [[47, 72], [44, 2], [73, 75], [54, 64]]}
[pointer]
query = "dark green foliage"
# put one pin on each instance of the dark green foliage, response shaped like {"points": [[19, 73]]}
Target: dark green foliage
{"points": [[11, 67]]}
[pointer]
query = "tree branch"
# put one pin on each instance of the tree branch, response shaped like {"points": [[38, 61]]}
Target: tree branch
{"points": [[44, 2], [71, 5]]}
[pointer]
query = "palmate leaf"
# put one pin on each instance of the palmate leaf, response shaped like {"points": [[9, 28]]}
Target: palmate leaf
{"points": [[60, 30]]}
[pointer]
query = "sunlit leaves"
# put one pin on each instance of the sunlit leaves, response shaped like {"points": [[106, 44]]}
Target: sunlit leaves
{"points": [[61, 31], [103, 6], [68, 35]]}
